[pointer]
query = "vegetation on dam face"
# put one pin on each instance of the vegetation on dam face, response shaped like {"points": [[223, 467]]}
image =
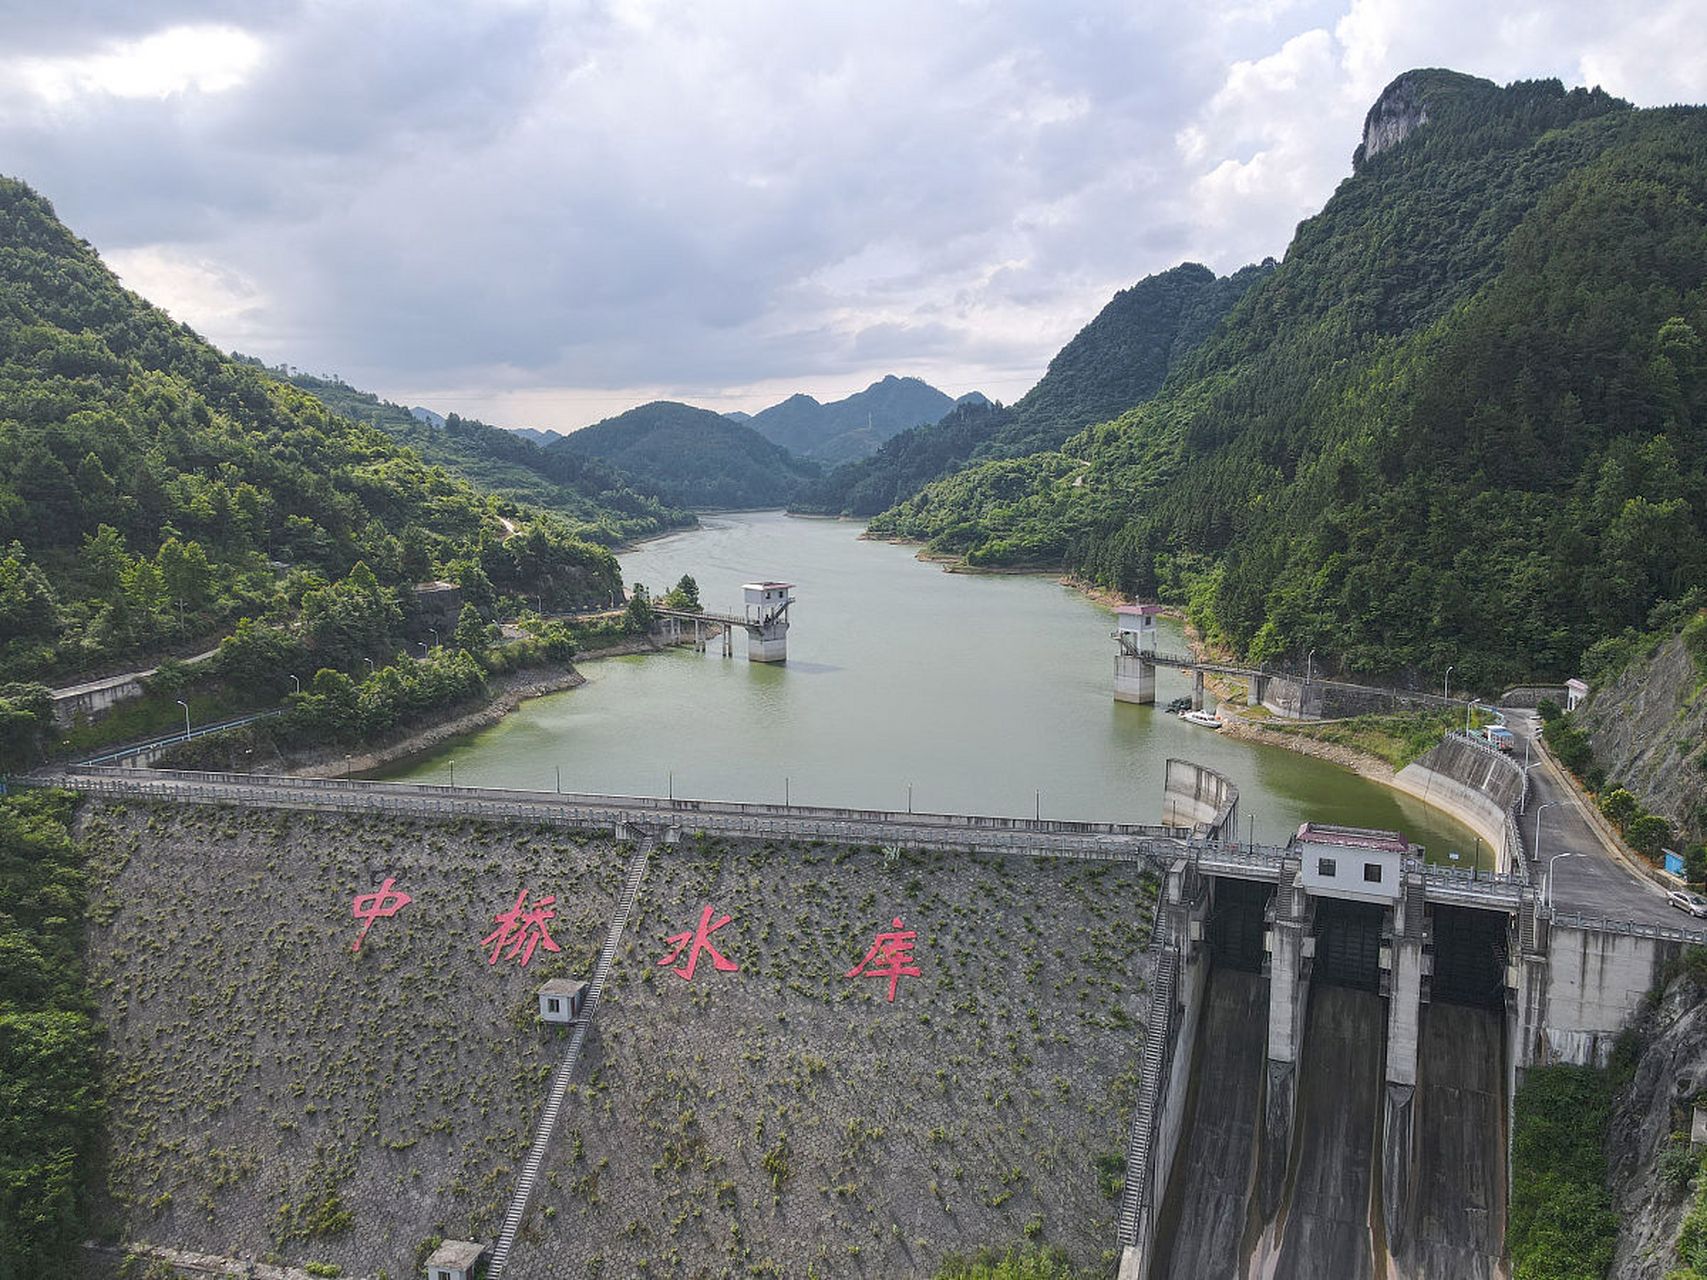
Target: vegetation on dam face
{"points": [[273, 1092]]}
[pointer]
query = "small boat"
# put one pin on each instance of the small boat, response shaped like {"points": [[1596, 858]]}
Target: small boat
{"points": [[1208, 719]]}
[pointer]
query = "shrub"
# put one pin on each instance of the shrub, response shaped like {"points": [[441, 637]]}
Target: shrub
{"points": [[1561, 1222]]}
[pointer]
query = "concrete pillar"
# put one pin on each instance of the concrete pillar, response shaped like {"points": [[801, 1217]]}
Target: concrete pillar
{"points": [[1288, 995], [1134, 679], [1398, 1104], [1254, 690], [728, 641], [768, 643], [1197, 691]]}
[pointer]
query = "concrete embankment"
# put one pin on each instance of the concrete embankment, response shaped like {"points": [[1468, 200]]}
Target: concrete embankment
{"points": [[1326, 1225], [1205, 1223], [1459, 1220], [1474, 785]]}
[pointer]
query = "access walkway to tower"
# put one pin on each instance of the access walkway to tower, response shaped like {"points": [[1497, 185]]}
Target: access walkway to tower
{"points": [[765, 620]]}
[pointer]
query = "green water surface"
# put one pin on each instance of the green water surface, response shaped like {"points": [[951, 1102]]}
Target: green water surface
{"points": [[982, 694]]}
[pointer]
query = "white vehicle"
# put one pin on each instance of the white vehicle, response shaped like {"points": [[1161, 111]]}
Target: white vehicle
{"points": [[1684, 900]]}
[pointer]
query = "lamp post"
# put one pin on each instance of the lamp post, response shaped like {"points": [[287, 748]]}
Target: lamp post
{"points": [[1037, 806], [1568, 853], [1535, 845], [369, 662], [423, 645], [452, 764], [785, 799], [1445, 683], [1309, 666], [435, 632], [909, 797], [186, 707], [297, 685]]}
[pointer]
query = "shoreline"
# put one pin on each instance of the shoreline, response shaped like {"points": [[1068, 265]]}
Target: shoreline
{"points": [[1235, 723], [509, 692]]}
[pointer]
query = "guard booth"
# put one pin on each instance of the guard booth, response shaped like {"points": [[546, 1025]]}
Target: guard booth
{"points": [[560, 1000], [454, 1260]]}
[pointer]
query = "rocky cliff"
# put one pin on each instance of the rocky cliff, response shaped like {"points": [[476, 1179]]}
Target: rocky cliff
{"points": [[1647, 725], [1397, 113], [1648, 1168]]}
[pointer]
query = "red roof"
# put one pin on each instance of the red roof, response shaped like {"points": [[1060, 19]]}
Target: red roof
{"points": [[1354, 837], [1143, 610]]}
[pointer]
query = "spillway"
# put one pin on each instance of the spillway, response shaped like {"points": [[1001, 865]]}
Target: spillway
{"points": [[1204, 1224], [1324, 1227], [1461, 1162]]}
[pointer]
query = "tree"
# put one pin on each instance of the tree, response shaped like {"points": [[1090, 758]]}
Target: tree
{"points": [[640, 617], [104, 558], [471, 633], [1648, 833], [1620, 807], [684, 595], [185, 570], [349, 620]]}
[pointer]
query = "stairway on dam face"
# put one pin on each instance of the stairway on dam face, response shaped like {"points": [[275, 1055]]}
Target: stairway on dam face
{"points": [[1324, 1226], [1205, 1220], [1459, 1222]]}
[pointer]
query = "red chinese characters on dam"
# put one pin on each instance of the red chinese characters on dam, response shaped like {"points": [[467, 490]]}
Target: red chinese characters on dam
{"points": [[522, 930], [891, 956], [368, 907], [695, 941]]}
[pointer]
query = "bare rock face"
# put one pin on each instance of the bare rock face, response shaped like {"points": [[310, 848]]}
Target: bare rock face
{"points": [[1668, 1082], [1397, 114]]}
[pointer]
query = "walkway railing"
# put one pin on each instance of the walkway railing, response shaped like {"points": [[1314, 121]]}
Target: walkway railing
{"points": [[1629, 928], [1159, 1036]]}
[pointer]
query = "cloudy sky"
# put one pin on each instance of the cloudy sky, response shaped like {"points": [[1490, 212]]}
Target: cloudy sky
{"points": [[543, 213]]}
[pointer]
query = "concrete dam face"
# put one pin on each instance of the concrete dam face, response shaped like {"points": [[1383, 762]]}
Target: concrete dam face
{"points": [[1347, 1165]]}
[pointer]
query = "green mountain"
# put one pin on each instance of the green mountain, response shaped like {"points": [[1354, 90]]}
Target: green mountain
{"points": [[1460, 423], [1118, 360], [692, 457], [152, 490], [851, 428], [598, 502]]}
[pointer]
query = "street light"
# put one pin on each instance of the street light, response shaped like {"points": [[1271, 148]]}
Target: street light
{"points": [[435, 632], [1445, 683], [369, 662], [423, 645], [909, 797], [1535, 845], [1309, 666], [1568, 853], [297, 683], [452, 764], [186, 707]]}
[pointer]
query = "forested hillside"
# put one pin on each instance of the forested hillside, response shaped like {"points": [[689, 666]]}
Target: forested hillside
{"points": [[1460, 423], [153, 490], [692, 457], [1118, 360], [852, 427], [599, 502]]}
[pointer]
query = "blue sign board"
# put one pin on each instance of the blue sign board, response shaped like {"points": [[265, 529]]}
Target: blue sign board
{"points": [[1674, 862]]}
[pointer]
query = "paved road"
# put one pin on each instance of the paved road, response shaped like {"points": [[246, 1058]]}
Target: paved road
{"points": [[1592, 880]]}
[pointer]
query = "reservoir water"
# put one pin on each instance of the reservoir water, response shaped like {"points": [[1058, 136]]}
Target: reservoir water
{"points": [[979, 694]]}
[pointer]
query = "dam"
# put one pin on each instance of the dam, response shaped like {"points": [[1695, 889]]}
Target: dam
{"points": [[1342, 1036]]}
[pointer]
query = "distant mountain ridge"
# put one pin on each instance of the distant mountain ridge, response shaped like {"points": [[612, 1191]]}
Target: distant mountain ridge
{"points": [[1463, 422], [1119, 360], [692, 456], [854, 426], [601, 503]]}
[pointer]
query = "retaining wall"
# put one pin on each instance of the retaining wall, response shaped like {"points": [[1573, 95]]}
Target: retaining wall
{"points": [[1594, 980], [1199, 798], [1476, 785]]}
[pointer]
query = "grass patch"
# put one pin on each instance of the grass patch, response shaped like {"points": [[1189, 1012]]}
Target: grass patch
{"points": [[1398, 739]]}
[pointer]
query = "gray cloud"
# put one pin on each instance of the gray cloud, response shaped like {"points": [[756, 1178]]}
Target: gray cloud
{"points": [[558, 204]]}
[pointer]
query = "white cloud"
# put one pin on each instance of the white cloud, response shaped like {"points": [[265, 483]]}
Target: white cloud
{"points": [[559, 207], [203, 59]]}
